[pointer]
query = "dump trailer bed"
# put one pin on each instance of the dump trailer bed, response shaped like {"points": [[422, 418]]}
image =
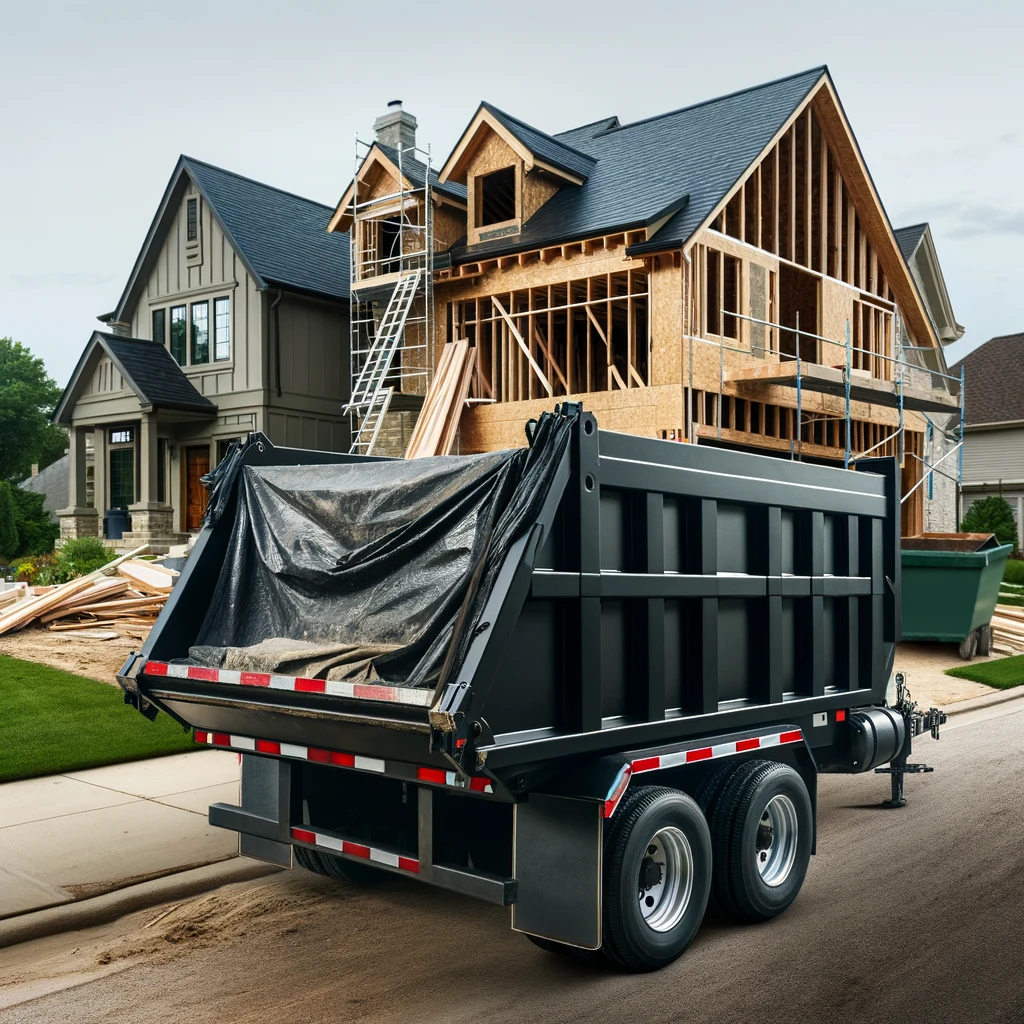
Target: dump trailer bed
{"points": [[648, 651]]}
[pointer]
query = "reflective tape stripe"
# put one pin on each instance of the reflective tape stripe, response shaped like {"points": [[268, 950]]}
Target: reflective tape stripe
{"points": [[438, 776], [296, 684], [370, 853], [678, 757]]}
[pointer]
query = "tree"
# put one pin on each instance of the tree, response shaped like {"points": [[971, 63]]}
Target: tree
{"points": [[8, 527], [28, 395], [991, 515]]}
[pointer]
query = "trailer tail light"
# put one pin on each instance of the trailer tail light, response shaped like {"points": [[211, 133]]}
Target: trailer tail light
{"points": [[618, 788], [841, 715]]}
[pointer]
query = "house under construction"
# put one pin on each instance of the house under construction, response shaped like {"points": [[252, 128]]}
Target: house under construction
{"points": [[722, 274]]}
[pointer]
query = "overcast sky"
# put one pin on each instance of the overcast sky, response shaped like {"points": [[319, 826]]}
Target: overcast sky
{"points": [[98, 100]]}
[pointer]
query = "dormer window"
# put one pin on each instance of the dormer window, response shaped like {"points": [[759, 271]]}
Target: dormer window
{"points": [[496, 197]]}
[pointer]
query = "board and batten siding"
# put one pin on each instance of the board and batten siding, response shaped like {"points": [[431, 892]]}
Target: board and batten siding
{"points": [[175, 280], [994, 455]]}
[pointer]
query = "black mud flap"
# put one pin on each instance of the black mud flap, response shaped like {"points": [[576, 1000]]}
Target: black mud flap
{"points": [[557, 866]]}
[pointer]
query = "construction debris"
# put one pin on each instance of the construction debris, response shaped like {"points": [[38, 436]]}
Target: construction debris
{"points": [[1008, 629], [127, 589]]}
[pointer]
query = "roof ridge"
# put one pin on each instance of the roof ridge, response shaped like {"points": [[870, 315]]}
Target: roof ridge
{"points": [[539, 131], [253, 181], [913, 227], [821, 69], [589, 124]]}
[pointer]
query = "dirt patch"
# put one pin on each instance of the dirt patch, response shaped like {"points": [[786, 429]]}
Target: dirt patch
{"points": [[94, 659], [926, 664]]}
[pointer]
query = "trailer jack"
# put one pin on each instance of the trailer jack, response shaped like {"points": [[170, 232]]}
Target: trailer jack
{"points": [[915, 723]]}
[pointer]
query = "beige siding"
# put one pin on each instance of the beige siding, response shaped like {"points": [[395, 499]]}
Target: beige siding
{"points": [[175, 280], [994, 455]]}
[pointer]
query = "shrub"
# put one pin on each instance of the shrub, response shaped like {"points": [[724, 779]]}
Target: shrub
{"points": [[76, 558], [991, 515], [36, 530], [1014, 571]]}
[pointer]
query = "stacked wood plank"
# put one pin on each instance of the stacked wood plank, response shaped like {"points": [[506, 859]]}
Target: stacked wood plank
{"points": [[438, 423], [1008, 629], [127, 591]]}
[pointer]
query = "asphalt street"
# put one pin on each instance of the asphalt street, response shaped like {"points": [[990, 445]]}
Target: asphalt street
{"points": [[906, 916]]}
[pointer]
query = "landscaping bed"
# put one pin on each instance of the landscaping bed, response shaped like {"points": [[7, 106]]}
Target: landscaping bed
{"points": [[52, 722]]}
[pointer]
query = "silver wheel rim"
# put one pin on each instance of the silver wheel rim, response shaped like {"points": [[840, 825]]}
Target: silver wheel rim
{"points": [[665, 879], [776, 840]]}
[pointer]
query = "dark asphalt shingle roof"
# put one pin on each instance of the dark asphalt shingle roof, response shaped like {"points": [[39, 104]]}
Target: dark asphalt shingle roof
{"points": [[909, 238], [282, 236], [413, 170], [148, 368], [551, 150], [994, 381], [642, 169]]}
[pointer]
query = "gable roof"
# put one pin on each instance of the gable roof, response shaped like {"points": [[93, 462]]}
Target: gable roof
{"points": [[148, 368], [414, 170], [994, 381], [280, 237], [549, 148], [642, 169], [909, 238]]}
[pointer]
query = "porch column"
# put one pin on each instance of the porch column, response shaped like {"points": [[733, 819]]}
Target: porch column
{"points": [[148, 487], [77, 520], [99, 471]]}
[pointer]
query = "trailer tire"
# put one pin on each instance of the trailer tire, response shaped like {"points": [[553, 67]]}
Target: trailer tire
{"points": [[764, 802], [707, 796], [352, 871], [309, 859], [563, 948], [658, 836]]}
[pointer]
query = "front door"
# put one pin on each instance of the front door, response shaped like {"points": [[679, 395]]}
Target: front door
{"points": [[197, 465]]}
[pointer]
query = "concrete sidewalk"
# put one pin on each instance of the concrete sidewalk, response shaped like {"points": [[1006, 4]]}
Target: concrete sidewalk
{"points": [[69, 837]]}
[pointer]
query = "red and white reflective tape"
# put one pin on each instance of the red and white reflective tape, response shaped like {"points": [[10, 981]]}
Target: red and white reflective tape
{"points": [[370, 853], [438, 776], [295, 684], [477, 783], [678, 757]]}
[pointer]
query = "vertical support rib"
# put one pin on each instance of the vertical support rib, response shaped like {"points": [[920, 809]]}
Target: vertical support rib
{"points": [[655, 563]]}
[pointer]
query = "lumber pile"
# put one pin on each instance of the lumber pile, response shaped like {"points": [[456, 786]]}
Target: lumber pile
{"points": [[1008, 629], [438, 423], [127, 591]]}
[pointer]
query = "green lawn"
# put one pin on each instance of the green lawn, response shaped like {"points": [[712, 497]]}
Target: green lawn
{"points": [[1002, 673], [53, 721]]}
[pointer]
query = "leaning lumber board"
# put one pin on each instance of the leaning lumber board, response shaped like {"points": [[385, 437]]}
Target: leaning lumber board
{"points": [[143, 575], [25, 611]]}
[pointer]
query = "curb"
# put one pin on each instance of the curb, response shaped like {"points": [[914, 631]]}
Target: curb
{"points": [[69, 917], [986, 700]]}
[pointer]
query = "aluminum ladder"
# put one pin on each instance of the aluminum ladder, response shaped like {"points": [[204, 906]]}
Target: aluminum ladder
{"points": [[369, 396]]}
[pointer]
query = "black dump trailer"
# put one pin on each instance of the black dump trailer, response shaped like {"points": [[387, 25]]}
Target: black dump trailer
{"points": [[594, 679]]}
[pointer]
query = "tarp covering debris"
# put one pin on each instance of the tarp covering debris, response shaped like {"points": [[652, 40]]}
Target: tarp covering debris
{"points": [[367, 571]]}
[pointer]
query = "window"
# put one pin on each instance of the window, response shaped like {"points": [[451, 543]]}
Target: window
{"points": [[193, 220], [222, 328], [178, 334], [496, 197], [122, 435], [200, 332], [159, 326]]}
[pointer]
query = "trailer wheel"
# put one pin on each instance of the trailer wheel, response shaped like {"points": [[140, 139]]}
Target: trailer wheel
{"points": [[707, 796], [309, 859], [351, 871], [985, 640], [761, 835], [657, 878], [564, 949]]}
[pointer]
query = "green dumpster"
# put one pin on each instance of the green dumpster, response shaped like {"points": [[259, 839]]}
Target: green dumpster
{"points": [[951, 587]]}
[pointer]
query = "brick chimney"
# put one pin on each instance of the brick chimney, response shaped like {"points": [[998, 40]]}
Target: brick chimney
{"points": [[396, 128]]}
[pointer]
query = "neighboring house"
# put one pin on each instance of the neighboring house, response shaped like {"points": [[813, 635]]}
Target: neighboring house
{"points": [[994, 435], [52, 483], [234, 318], [691, 276], [942, 432]]}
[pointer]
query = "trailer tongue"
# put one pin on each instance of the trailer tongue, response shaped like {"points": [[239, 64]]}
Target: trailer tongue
{"points": [[589, 678]]}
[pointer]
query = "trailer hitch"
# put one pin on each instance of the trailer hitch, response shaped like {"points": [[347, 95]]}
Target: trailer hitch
{"points": [[915, 723]]}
